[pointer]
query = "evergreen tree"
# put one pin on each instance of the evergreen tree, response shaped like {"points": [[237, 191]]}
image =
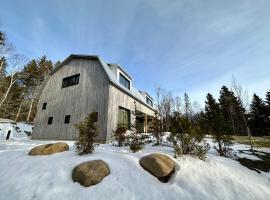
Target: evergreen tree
{"points": [[187, 106], [258, 116], [156, 128], [232, 109], [226, 102], [217, 126], [34, 74], [2, 39], [88, 132], [136, 139], [186, 138], [267, 105], [120, 134]]}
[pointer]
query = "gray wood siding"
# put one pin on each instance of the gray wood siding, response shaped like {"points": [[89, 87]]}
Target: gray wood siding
{"points": [[118, 98], [90, 95]]}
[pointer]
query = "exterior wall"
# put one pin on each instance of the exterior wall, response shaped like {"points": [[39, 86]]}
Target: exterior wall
{"points": [[118, 98], [91, 94]]}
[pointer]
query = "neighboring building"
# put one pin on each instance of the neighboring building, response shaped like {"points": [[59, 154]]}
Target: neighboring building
{"points": [[83, 84]]}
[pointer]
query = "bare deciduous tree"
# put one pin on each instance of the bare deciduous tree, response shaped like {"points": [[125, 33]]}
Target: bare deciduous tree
{"points": [[242, 96], [16, 63]]}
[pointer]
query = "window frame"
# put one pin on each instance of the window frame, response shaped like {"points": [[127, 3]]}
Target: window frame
{"points": [[68, 82], [148, 99], [129, 116], [123, 77]]}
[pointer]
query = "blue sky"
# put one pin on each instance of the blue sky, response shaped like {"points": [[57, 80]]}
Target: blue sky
{"points": [[183, 45]]}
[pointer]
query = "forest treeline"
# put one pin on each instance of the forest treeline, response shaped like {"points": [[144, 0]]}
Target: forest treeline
{"points": [[230, 114], [21, 80]]}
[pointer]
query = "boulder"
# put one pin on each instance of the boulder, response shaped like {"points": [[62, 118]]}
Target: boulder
{"points": [[48, 149], [90, 173], [159, 165]]}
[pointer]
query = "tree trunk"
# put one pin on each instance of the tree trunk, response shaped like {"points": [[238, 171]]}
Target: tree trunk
{"points": [[248, 133], [7, 92], [18, 113], [232, 123], [30, 110], [221, 152], [1, 65]]}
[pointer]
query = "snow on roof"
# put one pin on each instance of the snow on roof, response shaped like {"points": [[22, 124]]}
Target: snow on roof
{"points": [[133, 91]]}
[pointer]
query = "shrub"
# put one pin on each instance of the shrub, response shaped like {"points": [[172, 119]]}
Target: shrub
{"points": [[156, 128], [224, 142], [188, 140], [87, 134], [136, 140], [120, 134]]}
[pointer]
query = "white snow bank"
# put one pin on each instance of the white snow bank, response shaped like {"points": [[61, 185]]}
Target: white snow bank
{"points": [[19, 130], [49, 177]]}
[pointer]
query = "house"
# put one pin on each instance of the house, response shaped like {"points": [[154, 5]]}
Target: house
{"points": [[82, 84]]}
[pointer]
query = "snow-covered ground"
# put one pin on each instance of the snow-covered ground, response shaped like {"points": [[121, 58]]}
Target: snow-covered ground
{"points": [[23, 177], [18, 130]]}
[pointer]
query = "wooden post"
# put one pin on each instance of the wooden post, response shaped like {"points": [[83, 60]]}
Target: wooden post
{"points": [[8, 134], [145, 123]]}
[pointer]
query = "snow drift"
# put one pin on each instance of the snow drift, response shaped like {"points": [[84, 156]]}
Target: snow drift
{"points": [[49, 177]]}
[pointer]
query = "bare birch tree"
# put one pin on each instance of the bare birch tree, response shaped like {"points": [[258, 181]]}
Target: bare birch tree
{"points": [[16, 63], [242, 95]]}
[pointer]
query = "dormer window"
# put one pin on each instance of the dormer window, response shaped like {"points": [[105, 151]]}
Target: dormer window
{"points": [[149, 101], [124, 81]]}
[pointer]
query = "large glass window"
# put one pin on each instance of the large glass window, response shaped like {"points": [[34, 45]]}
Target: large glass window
{"points": [[71, 80], [124, 116], [149, 101], [124, 81]]}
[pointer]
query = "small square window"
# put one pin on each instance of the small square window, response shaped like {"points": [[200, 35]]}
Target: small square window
{"points": [[67, 119], [44, 106], [50, 120]]}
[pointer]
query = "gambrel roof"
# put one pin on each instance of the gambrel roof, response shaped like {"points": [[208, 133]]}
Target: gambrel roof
{"points": [[133, 92]]}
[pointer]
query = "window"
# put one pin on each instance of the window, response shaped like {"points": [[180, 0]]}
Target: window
{"points": [[50, 120], [71, 80], [124, 81], [124, 116], [44, 106], [149, 101], [67, 119]]}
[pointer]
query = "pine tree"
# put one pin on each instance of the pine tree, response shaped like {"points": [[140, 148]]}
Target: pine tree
{"points": [[217, 126], [33, 76], [232, 109], [267, 105], [136, 139], [120, 134], [187, 106], [2, 38], [88, 132], [226, 101], [156, 128], [258, 116], [186, 138]]}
